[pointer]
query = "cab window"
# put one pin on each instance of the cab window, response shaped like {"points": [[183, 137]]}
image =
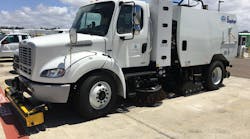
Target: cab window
{"points": [[125, 19], [138, 18]]}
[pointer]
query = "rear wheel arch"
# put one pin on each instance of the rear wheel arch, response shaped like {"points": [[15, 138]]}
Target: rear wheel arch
{"points": [[222, 58]]}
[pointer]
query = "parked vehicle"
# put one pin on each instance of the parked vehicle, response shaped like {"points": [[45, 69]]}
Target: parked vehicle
{"points": [[122, 48], [10, 43]]}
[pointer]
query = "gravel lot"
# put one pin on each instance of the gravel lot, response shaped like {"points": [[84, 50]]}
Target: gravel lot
{"points": [[220, 114]]}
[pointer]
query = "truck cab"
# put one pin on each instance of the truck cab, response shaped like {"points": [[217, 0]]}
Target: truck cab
{"points": [[113, 20], [10, 43]]}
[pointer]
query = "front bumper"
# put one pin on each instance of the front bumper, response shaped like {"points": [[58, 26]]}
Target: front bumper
{"points": [[52, 93]]}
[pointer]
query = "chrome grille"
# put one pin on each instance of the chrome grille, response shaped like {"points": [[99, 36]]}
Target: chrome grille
{"points": [[25, 58]]}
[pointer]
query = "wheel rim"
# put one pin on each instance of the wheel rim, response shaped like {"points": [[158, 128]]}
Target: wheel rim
{"points": [[217, 75], [100, 95]]}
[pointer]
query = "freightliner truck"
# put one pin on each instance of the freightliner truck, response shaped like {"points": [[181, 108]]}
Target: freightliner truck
{"points": [[119, 48]]}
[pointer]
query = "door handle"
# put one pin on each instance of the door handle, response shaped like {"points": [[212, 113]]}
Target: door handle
{"points": [[144, 47], [184, 45]]}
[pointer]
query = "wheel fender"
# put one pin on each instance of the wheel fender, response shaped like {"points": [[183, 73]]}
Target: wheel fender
{"points": [[84, 66], [112, 66], [97, 62], [220, 57]]}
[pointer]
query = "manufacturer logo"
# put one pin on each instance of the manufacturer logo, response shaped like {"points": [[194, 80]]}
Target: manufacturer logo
{"points": [[223, 18], [228, 20]]}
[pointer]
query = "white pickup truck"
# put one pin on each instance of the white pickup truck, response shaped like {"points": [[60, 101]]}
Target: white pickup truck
{"points": [[10, 43], [126, 47]]}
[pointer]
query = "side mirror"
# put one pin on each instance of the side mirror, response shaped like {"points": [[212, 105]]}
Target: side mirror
{"points": [[130, 35], [127, 36], [73, 36]]}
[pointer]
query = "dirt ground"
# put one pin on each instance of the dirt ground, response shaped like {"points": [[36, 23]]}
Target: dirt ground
{"points": [[221, 114], [241, 68]]}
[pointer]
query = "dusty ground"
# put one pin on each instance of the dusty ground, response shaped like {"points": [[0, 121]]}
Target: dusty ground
{"points": [[241, 68], [5, 71], [218, 114]]}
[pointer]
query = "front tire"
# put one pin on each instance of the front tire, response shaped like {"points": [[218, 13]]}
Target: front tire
{"points": [[96, 96], [215, 76]]}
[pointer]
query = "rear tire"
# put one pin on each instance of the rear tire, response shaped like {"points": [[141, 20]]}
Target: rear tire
{"points": [[96, 96], [214, 76]]}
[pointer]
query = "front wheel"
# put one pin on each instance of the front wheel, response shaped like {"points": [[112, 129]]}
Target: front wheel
{"points": [[96, 96], [215, 76]]}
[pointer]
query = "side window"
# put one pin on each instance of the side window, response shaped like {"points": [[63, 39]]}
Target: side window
{"points": [[124, 22], [24, 37], [12, 39], [138, 18]]}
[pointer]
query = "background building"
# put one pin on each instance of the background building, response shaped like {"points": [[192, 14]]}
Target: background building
{"points": [[244, 39]]}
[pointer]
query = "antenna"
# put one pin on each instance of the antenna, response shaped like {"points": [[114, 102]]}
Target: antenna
{"points": [[219, 3]]}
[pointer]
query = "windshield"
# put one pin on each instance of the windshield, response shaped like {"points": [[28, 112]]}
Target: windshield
{"points": [[1, 36], [94, 19]]}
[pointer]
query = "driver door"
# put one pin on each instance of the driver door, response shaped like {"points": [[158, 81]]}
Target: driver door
{"points": [[131, 48]]}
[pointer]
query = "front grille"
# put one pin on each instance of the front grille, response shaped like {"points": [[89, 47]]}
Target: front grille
{"points": [[25, 58]]}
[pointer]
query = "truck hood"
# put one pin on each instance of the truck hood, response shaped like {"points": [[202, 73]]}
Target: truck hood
{"points": [[64, 40], [53, 51]]}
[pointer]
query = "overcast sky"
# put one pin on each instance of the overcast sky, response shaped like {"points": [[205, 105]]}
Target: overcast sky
{"points": [[60, 13]]}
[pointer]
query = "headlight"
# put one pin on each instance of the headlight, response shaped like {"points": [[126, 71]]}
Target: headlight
{"points": [[53, 73]]}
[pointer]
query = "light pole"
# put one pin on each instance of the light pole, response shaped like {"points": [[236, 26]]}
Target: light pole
{"points": [[219, 3]]}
